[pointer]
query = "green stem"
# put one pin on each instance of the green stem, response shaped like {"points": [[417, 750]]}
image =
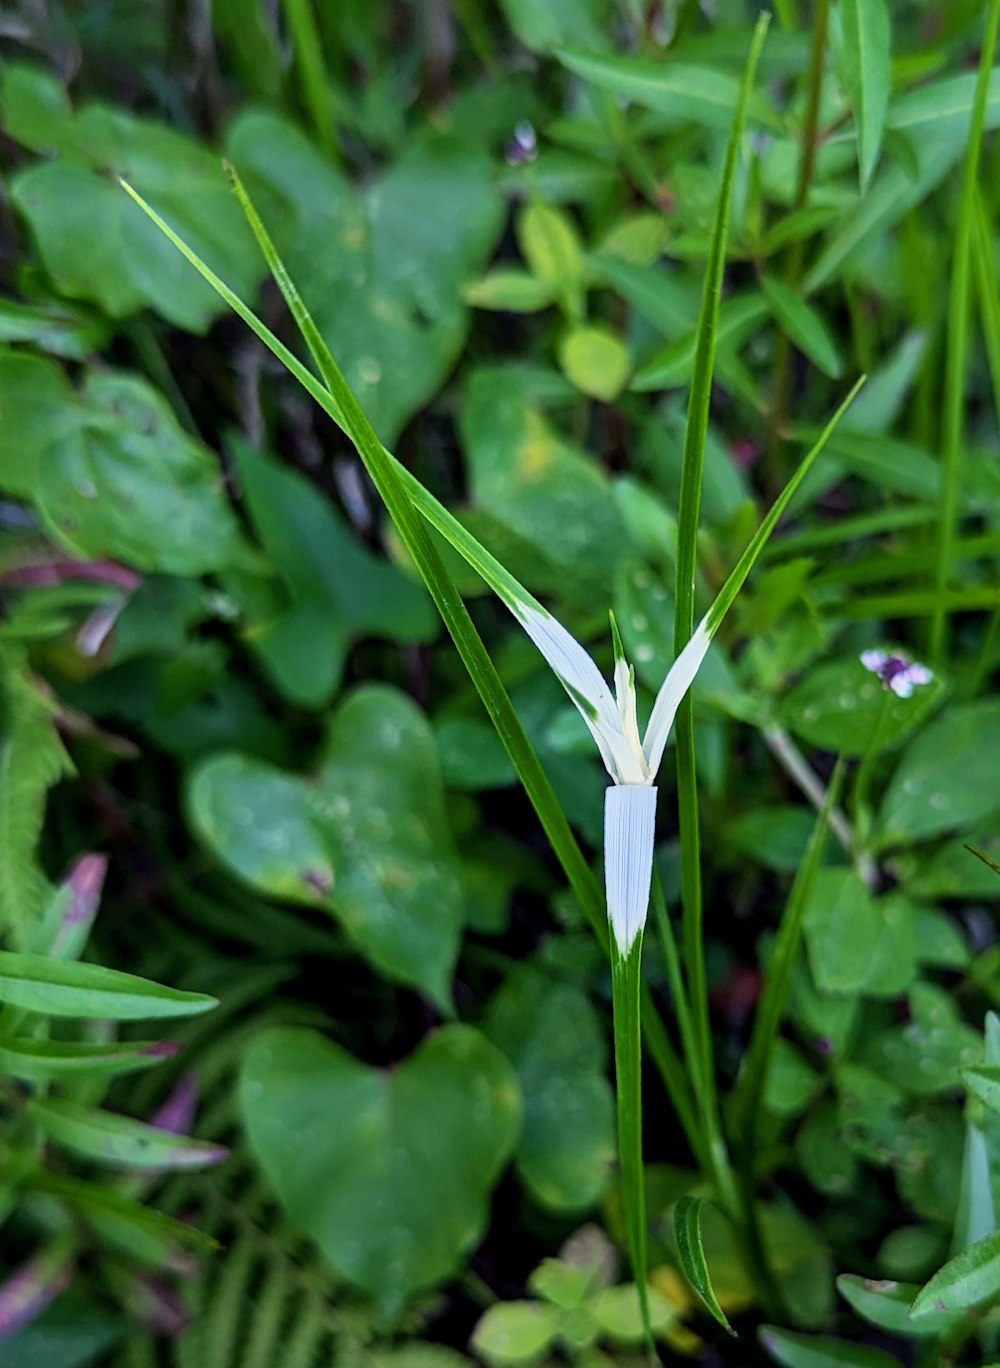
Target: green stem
{"points": [[958, 343], [781, 384], [626, 978], [749, 1095], [863, 777], [312, 70]]}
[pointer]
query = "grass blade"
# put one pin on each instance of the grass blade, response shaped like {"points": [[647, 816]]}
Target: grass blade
{"points": [[958, 340], [690, 1251], [687, 533]]}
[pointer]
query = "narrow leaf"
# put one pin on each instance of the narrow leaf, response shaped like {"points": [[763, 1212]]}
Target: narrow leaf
{"points": [[819, 1351], [804, 326], [866, 52], [986, 859], [66, 989], [969, 1279], [983, 1081], [43, 1060], [887, 1306], [118, 1140], [691, 1252]]}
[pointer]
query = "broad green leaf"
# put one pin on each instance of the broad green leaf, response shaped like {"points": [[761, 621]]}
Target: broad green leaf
{"points": [[595, 361], [65, 988], [815, 1351], [551, 1034], [790, 1084], [509, 291], [382, 271], [839, 706], [843, 928], [871, 1111], [388, 1171], [866, 69], [536, 482], [53, 326], [618, 1313], [44, 1060], [514, 1332], [681, 92], [542, 27], [887, 1306], [946, 778], [95, 244], [338, 590], [117, 1140], [926, 1055], [365, 836], [111, 472], [804, 325], [552, 250], [967, 1280], [691, 1253]]}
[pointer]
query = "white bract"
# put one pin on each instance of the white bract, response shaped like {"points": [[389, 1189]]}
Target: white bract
{"points": [[630, 802]]}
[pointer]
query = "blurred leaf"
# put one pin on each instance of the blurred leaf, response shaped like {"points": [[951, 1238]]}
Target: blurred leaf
{"points": [[365, 836], [72, 1333], [388, 1171], [814, 1351], [514, 1332], [97, 244], [804, 325], [382, 271], [536, 482], [541, 27], [866, 61], [839, 705], [32, 760], [843, 928], [65, 988], [983, 1081], [44, 1060], [946, 778], [596, 361], [682, 92], [886, 1305], [111, 472], [62, 329], [117, 1140], [509, 291], [926, 1055], [338, 589], [551, 247], [553, 1037], [691, 1253], [969, 1279]]}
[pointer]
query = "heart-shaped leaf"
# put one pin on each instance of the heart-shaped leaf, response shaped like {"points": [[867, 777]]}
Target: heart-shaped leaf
{"points": [[382, 272], [365, 836], [111, 472], [387, 1170], [105, 249]]}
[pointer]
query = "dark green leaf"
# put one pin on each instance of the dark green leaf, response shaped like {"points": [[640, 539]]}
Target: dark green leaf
{"points": [[813, 1351], [388, 1172], [690, 1252]]}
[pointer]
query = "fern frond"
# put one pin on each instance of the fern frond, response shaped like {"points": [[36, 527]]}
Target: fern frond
{"points": [[32, 759]]}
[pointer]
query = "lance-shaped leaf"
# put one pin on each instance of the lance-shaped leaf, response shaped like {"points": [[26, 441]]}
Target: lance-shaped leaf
{"points": [[691, 1252], [65, 989], [969, 1279], [43, 1060], [118, 1140], [866, 69]]}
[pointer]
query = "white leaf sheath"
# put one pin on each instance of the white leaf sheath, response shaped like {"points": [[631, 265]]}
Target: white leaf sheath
{"points": [[629, 822]]}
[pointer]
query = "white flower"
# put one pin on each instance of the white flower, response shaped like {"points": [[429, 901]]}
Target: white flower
{"points": [[630, 802]]}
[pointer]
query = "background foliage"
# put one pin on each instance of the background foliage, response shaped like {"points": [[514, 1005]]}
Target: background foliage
{"points": [[225, 687]]}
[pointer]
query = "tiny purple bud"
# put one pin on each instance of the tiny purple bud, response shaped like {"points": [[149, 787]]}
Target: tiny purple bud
{"points": [[523, 146], [29, 1290], [85, 882], [177, 1112]]}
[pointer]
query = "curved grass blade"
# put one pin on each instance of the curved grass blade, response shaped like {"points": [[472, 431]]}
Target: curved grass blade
{"points": [[691, 1252]]}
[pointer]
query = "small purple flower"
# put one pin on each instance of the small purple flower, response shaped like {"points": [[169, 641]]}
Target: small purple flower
{"points": [[523, 146], [897, 673]]}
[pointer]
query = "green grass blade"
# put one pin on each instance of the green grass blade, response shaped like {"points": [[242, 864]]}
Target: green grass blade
{"points": [[472, 651], [626, 971], [958, 340], [687, 533], [691, 1253], [311, 68]]}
